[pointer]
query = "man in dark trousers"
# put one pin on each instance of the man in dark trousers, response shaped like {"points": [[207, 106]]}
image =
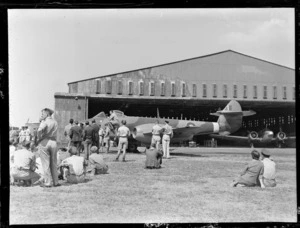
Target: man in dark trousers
{"points": [[76, 136], [96, 129], [88, 134]]}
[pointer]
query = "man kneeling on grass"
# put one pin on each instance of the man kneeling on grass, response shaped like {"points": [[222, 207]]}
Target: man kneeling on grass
{"points": [[96, 162], [74, 167], [153, 157], [24, 166], [250, 175]]}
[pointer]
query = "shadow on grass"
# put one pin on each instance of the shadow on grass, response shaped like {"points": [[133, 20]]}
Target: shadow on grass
{"points": [[188, 155], [86, 180]]}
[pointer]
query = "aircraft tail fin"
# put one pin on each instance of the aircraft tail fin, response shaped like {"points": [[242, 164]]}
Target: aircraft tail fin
{"points": [[231, 117]]}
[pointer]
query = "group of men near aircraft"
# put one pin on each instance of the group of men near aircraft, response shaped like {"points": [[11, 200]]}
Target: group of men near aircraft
{"points": [[72, 167]]}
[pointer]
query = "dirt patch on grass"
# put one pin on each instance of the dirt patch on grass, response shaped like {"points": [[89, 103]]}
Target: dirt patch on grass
{"points": [[186, 189]]}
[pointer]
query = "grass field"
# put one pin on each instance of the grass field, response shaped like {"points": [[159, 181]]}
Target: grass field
{"points": [[192, 187]]}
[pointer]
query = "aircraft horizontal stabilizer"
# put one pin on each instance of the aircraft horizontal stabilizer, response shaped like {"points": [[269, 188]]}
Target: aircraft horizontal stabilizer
{"points": [[249, 113]]}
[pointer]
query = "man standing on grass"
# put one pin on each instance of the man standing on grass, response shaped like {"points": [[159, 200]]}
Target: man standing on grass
{"points": [[27, 134], [101, 138], [88, 135], [96, 133], [123, 134], [22, 135], [250, 175], [156, 131], [76, 136], [67, 132], [168, 134], [106, 138], [47, 134], [268, 177]]}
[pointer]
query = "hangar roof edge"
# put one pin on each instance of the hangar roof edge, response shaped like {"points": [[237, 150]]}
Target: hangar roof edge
{"points": [[203, 56]]}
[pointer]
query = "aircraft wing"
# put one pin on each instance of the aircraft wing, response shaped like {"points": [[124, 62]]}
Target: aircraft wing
{"points": [[238, 139], [290, 141], [189, 131], [231, 138]]}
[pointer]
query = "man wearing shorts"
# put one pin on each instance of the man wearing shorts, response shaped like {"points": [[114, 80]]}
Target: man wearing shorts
{"points": [[123, 134], [156, 131]]}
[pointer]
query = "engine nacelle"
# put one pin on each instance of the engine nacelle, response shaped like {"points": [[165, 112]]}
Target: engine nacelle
{"points": [[253, 135], [143, 132], [281, 136]]}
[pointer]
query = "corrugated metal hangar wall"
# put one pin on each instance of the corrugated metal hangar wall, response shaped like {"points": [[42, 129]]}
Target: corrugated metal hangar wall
{"points": [[188, 89]]}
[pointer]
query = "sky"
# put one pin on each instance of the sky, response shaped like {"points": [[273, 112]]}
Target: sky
{"points": [[49, 48]]}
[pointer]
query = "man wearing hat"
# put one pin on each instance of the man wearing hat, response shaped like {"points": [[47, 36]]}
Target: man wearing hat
{"points": [[88, 134], [96, 162], [46, 138], [74, 167], [167, 135], [76, 136], [123, 134], [268, 177], [24, 165], [250, 175], [153, 157]]}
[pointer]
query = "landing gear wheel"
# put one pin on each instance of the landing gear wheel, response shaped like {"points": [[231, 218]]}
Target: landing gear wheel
{"points": [[132, 148]]}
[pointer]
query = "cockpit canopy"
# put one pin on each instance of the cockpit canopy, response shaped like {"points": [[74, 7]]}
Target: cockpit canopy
{"points": [[119, 113], [101, 115]]}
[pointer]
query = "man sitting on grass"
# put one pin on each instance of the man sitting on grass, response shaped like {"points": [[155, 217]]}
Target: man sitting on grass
{"points": [[24, 165], [268, 178], [249, 176], [74, 167], [96, 162], [153, 157], [62, 154]]}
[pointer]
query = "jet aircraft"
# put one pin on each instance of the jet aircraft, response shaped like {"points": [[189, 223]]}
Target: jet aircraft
{"points": [[229, 121]]}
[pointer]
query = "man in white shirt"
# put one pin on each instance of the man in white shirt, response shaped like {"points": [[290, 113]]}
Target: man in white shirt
{"points": [[168, 134], [47, 134], [24, 165], [156, 131], [268, 177], [27, 134], [123, 134], [101, 137], [74, 167], [22, 135], [106, 137]]}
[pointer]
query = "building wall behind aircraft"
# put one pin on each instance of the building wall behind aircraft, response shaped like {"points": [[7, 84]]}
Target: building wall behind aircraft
{"points": [[67, 108], [219, 72], [179, 91]]}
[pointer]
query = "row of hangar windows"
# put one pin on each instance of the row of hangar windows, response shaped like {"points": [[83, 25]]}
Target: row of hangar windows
{"points": [[141, 90], [271, 121]]}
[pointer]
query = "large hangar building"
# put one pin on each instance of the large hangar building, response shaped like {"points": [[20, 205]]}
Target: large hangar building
{"points": [[188, 89]]}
